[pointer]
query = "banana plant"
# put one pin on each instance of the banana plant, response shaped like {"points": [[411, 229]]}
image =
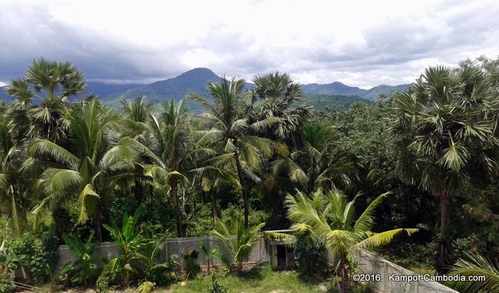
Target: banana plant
{"points": [[132, 262], [86, 268], [213, 253]]}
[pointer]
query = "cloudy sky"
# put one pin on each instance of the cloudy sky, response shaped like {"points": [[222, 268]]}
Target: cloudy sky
{"points": [[358, 42]]}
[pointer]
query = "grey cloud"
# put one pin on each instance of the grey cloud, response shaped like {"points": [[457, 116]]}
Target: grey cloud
{"points": [[34, 34]]}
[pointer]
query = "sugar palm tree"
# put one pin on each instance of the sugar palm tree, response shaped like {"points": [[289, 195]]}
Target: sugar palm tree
{"points": [[278, 98], [331, 218], [228, 121], [445, 136], [44, 93]]}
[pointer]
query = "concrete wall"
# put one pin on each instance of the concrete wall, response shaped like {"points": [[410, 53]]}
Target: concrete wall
{"points": [[372, 265], [178, 246]]}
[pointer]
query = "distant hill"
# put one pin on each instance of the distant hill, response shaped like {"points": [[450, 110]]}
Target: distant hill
{"points": [[337, 88], [196, 80], [192, 81], [331, 101]]}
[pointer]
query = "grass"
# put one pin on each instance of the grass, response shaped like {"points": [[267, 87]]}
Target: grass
{"points": [[258, 280]]}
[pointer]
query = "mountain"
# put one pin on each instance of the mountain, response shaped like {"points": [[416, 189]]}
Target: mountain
{"points": [[339, 89], [192, 81], [195, 81]]}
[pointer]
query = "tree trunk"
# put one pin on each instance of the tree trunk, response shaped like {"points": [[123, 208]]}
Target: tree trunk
{"points": [[443, 258], [138, 192], [214, 212], [344, 285], [97, 222], [275, 209], [241, 181], [18, 213], [176, 205]]}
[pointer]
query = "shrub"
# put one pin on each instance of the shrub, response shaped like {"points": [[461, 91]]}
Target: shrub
{"points": [[310, 254], [41, 255]]}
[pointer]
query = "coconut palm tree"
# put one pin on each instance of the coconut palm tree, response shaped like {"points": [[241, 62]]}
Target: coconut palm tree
{"points": [[86, 169], [331, 218], [13, 184], [238, 239], [230, 129], [174, 149], [136, 114], [445, 137]]}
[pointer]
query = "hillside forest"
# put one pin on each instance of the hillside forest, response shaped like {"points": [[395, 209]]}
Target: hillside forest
{"points": [[73, 166]]}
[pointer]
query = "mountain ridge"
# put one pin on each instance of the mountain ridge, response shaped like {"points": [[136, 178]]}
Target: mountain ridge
{"points": [[196, 79]]}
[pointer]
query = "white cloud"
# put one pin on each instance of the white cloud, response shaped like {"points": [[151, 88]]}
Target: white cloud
{"points": [[361, 42]]}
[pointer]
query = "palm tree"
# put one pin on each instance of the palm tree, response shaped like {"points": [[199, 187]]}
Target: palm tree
{"points": [[475, 265], [43, 94], [444, 133], [174, 154], [237, 238], [278, 98], [331, 219], [228, 119], [13, 183], [136, 114], [86, 169]]}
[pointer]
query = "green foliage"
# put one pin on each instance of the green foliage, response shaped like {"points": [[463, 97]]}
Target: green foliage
{"points": [[311, 255], [41, 255], [213, 253], [85, 269], [215, 286], [476, 265], [328, 102], [236, 238], [164, 273], [331, 219], [9, 261], [6, 284], [132, 263]]}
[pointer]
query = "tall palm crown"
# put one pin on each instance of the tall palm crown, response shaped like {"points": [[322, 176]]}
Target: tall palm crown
{"points": [[279, 98], [445, 135], [43, 96]]}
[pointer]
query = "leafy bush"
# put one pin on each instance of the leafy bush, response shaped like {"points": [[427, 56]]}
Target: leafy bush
{"points": [[8, 263], [311, 255], [165, 273], [215, 287], [6, 284], [41, 255]]}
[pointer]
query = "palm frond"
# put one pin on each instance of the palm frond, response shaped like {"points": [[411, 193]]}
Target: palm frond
{"points": [[42, 147], [476, 265], [383, 238]]}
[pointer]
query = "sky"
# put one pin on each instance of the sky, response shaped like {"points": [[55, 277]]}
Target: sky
{"points": [[361, 43]]}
